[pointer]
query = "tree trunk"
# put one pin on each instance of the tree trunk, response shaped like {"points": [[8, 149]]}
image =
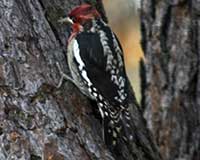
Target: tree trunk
{"points": [[37, 120], [171, 40]]}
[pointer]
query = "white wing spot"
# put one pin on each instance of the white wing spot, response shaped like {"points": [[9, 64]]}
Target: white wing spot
{"points": [[114, 134], [112, 122], [100, 97], [101, 104], [128, 118], [127, 125], [101, 112], [119, 129], [114, 143], [127, 113], [125, 138], [95, 94], [106, 113], [90, 90]]}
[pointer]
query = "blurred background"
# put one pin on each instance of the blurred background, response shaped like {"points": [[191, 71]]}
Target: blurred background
{"points": [[124, 20]]}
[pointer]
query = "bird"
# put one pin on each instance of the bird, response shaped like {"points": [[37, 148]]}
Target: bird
{"points": [[96, 63]]}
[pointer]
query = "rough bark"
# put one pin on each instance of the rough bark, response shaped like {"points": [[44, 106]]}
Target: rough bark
{"points": [[37, 120], [171, 40]]}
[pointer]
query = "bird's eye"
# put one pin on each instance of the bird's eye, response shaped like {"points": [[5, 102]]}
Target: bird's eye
{"points": [[72, 18]]}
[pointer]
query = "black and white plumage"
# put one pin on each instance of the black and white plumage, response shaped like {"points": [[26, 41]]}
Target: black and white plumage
{"points": [[95, 59]]}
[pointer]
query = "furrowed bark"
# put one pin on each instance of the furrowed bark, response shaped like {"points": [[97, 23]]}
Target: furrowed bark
{"points": [[37, 120], [170, 40]]}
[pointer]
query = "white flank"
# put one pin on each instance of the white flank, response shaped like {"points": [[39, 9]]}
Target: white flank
{"points": [[77, 55], [80, 62], [84, 74]]}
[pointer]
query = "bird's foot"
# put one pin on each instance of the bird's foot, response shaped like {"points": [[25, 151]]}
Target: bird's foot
{"points": [[63, 76]]}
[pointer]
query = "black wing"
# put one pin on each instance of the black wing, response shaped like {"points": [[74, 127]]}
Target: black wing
{"points": [[101, 54], [95, 60]]}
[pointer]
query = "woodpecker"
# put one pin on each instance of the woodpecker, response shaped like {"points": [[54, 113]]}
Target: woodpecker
{"points": [[95, 59]]}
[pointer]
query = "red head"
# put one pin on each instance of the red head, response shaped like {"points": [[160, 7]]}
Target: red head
{"points": [[83, 13], [79, 16]]}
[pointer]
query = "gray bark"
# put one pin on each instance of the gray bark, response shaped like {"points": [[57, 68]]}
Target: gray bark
{"points": [[37, 120], [171, 90]]}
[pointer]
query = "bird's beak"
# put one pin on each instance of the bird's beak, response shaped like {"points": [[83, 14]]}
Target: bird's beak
{"points": [[65, 20]]}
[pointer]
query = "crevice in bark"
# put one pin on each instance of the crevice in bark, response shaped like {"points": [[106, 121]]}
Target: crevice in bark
{"points": [[38, 119], [172, 70], [143, 84], [166, 20], [35, 157], [50, 23], [42, 5], [144, 36], [153, 9]]}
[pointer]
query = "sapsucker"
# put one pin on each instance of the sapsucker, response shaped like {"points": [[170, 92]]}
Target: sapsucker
{"points": [[95, 60]]}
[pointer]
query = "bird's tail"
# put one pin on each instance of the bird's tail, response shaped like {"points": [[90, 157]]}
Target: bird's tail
{"points": [[117, 127]]}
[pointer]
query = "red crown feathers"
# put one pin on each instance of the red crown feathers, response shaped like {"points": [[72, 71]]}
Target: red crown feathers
{"points": [[84, 11]]}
